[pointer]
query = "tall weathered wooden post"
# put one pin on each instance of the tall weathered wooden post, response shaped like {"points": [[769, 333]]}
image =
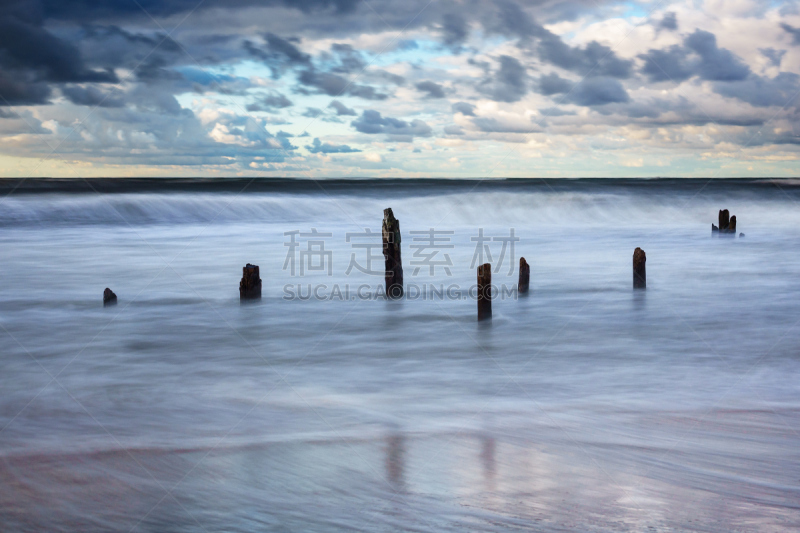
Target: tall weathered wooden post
{"points": [[639, 273], [524, 276], [391, 253], [485, 292], [250, 285]]}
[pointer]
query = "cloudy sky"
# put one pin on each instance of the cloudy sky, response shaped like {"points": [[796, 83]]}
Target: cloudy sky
{"points": [[331, 88]]}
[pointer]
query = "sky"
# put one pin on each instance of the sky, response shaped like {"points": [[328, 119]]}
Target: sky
{"points": [[382, 88]]}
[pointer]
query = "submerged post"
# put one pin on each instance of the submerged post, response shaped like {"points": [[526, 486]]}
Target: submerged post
{"points": [[485, 292], [391, 253], [732, 225], [109, 298], [524, 276], [250, 285], [639, 273]]}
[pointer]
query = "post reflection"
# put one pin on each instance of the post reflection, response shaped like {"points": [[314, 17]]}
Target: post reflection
{"points": [[395, 460]]}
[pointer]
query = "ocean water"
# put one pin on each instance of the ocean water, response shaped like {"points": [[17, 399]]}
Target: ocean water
{"points": [[583, 406]]}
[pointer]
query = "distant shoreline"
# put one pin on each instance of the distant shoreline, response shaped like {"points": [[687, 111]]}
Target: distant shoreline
{"points": [[366, 185]]}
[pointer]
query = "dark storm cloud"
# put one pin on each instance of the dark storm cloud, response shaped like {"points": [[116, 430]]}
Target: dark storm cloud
{"points": [[116, 46], [667, 65], [590, 92], [156, 68], [318, 147], [508, 84], [349, 59], [342, 109], [669, 22], [464, 108], [455, 30], [698, 56], [91, 9], [372, 122], [795, 32], [511, 20], [282, 55], [597, 92], [335, 85], [775, 56], [19, 91], [271, 102], [25, 47], [92, 96], [550, 84], [431, 89], [594, 59], [716, 64], [782, 90], [278, 54]]}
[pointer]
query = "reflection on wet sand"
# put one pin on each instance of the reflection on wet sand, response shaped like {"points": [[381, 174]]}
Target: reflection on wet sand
{"points": [[395, 460], [488, 461], [235, 488]]}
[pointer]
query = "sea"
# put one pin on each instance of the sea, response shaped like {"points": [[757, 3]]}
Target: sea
{"points": [[325, 406]]}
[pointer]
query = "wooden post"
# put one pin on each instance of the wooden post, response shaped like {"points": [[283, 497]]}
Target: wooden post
{"points": [[109, 298], [485, 292], [524, 276], [250, 285], [724, 220], [391, 253], [732, 225], [639, 273]]}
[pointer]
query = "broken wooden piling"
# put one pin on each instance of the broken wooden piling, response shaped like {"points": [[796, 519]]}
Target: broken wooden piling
{"points": [[484, 292], [727, 223], [109, 298], [524, 276], [391, 253], [250, 285], [639, 272], [724, 220]]}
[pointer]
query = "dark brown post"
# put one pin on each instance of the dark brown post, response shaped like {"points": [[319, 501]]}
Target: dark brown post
{"points": [[639, 273], [524, 276], [109, 298], [732, 226], [391, 252], [485, 292], [250, 286], [724, 220]]}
